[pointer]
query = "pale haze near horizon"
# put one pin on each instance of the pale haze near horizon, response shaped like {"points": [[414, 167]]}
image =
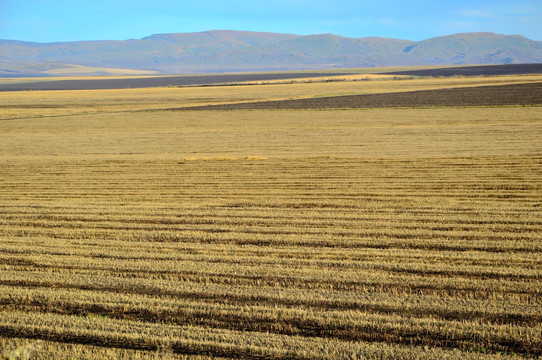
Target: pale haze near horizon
{"points": [[61, 20]]}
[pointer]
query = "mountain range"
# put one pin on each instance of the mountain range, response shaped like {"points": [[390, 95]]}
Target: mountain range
{"points": [[235, 51]]}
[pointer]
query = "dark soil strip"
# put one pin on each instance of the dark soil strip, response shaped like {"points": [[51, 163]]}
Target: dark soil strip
{"points": [[147, 82], [517, 94], [485, 70]]}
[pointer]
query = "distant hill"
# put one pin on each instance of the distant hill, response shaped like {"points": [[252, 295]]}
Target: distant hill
{"points": [[227, 51]]}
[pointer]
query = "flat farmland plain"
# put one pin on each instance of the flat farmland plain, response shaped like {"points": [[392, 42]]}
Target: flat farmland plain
{"points": [[411, 233]]}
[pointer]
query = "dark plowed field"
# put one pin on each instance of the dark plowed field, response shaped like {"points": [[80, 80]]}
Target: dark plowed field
{"points": [[485, 70], [517, 94], [147, 82]]}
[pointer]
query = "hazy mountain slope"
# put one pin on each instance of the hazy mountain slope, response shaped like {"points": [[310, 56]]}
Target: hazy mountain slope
{"points": [[226, 50], [340, 51], [477, 48], [155, 52]]}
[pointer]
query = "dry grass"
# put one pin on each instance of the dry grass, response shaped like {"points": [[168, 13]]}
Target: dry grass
{"points": [[365, 134], [379, 234]]}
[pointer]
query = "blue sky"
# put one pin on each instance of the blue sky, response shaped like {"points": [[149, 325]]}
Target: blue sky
{"points": [[71, 20]]}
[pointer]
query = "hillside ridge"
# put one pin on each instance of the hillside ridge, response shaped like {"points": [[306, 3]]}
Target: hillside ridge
{"points": [[218, 51]]}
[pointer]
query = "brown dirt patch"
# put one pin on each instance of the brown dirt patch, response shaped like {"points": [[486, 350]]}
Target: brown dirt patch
{"points": [[517, 94]]}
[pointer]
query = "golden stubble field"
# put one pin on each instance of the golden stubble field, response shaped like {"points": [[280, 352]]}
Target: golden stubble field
{"points": [[269, 234], [37, 104]]}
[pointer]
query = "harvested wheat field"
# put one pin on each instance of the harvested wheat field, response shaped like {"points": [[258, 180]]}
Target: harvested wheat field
{"points": [[397, 233]]}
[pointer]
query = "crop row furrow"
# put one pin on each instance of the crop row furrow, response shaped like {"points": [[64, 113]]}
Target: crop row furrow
{"points": [[240, 222], [377, 328], [211, 342], [30, 248], [375, 233], [243, 239], [405, 306], [468, 214], [254, 217], [232, 267], [288, 256], [378, 282], [113, 340]]}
